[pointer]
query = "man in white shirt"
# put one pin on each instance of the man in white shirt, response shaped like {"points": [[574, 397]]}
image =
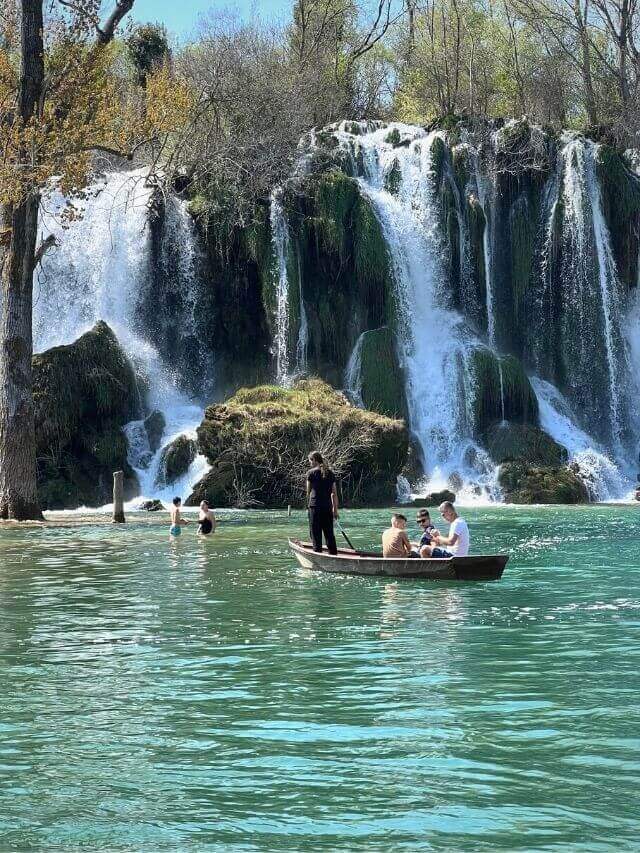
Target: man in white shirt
{"points": [[457, 541]]}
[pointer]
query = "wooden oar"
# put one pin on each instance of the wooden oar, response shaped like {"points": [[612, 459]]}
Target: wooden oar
{"points": [[345, 535]]}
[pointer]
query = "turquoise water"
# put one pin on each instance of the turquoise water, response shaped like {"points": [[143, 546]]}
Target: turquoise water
{"points": [[210, 695]]}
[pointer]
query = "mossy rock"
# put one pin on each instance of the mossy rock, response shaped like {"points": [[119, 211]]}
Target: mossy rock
{"points": [[382, 382], [257, 444], [522, 483], [439, 154], [501, 382], [620, 191], [154, 426], [153, 505], [462, 167], [338, 257], [434, 499], [84, 393], [176, 459], [393, 178], [393, 137], [512, 442]]}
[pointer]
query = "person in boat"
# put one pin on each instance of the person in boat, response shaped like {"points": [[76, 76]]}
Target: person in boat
{"points": [[322, 503], [177, 522], [206, 520], [456, 544], [395, 542], [423, 520]]}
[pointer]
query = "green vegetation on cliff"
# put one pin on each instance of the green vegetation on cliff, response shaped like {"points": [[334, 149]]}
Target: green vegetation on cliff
{"points": [[522, 483], [512, 442], [382, 382], [620, 191], [83, 394], [503, 391], [338, 249], [257, 444]]}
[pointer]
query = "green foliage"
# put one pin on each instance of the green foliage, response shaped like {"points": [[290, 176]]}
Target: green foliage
{"points": [[370, 249], [382, 386], [513, 442], [393, 178], [514, 391], [336, 195], [530, 484], [257, 443], [147, 48], [620, 190], [83, 394]]}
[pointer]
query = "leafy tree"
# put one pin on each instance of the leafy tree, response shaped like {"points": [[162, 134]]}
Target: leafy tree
{"points": [[148, 49], [59, 103]]}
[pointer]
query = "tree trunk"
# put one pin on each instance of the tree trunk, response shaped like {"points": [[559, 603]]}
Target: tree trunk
{"points": [[585, 61], [18, 491]]}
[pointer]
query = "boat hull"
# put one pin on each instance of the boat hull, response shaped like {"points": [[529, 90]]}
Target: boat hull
{"points": [[347, 562]]}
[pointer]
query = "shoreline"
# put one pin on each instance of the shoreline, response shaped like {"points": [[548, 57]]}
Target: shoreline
{"points": [[98, 518]]}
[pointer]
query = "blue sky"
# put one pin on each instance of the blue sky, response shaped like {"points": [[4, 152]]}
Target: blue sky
{"points": [[180, 16]]}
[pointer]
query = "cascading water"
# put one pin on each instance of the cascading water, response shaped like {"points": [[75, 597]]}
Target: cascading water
{"points": [[281, 250], [593, 299], [280, 238], [434, 343], [98, 270], [353, 374], [303, 334]]}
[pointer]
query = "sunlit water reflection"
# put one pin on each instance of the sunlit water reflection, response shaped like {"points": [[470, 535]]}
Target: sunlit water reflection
{"points": [[209, 694]]}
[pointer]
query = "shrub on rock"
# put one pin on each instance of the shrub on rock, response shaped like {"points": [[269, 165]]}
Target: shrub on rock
{"points": [[257, 444], [522, 483]]}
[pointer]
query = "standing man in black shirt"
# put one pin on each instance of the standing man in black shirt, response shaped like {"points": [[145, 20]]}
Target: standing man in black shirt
{"points": [[322, 499]]}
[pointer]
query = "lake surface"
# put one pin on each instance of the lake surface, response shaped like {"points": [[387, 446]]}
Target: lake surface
{"points": [[210, 695]]}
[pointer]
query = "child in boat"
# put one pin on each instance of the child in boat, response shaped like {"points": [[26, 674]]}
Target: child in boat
{"points": [[423, 519], [457, 542], [176, 519], [395, 542]]}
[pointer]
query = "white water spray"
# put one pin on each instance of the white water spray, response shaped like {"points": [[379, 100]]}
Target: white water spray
{"points": [[98, 270], [353, 374], [434, 344], [280, 239]]}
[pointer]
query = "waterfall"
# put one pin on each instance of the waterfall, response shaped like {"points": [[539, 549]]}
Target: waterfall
{"points": [[601, 475], [303, 333], [99, 270], [280, 238], [353, 374], [593, 342], [434, 343], [281, 249], [501, 375], [485, 189]]}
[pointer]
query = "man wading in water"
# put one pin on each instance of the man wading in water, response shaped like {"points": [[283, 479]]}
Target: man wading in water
{"points": [[322, 500]]}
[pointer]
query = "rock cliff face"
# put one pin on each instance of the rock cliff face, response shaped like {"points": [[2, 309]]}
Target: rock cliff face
{"points": [[478, 282], [257, 443], [84, 393]]}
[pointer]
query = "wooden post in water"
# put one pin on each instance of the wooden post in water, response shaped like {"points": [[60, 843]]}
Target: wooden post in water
{"points": [[118, 497]]}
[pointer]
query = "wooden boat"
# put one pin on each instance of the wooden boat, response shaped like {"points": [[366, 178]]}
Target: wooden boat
{"points": [[369, 563]]}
